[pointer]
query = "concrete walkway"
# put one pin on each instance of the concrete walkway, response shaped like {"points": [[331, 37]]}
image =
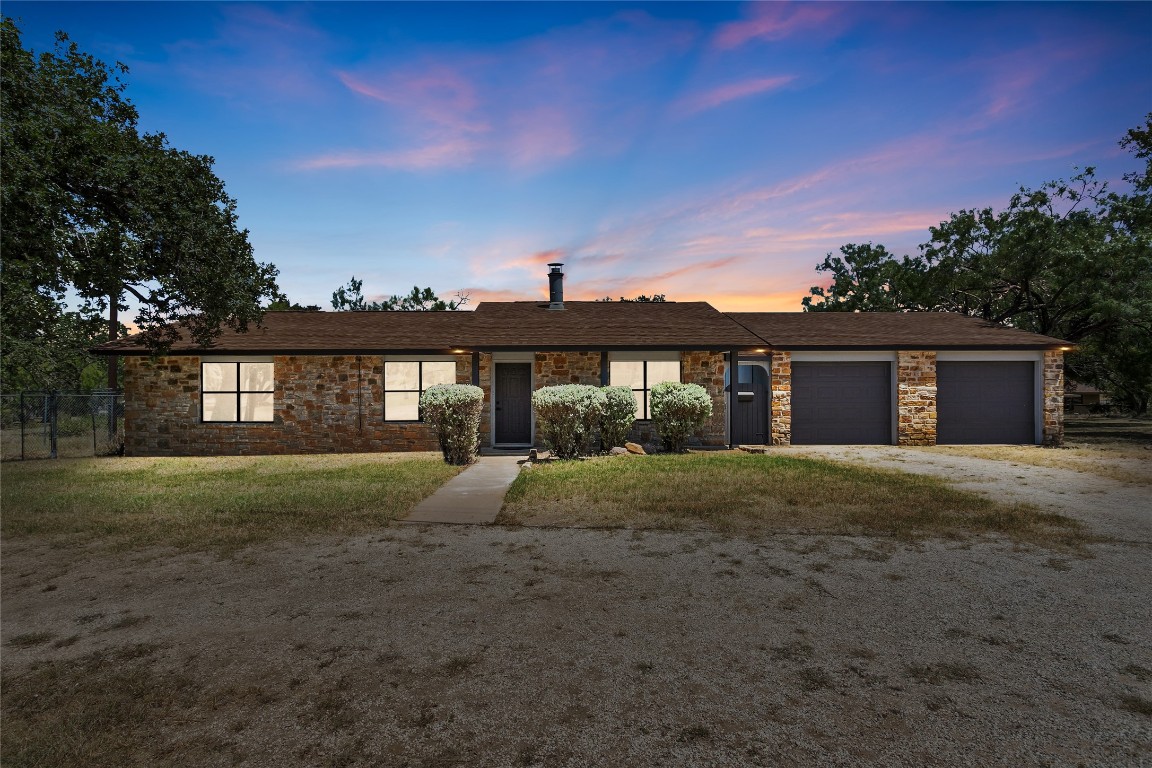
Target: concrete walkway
{"points": [[473, 496]]}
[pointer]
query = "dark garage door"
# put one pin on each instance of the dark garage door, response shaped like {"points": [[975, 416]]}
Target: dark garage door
{"points": [[842, 403], [985, 402]]}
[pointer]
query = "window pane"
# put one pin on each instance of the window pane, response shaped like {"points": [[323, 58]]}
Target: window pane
{"points": [[401, 406], [256, 377], [439, 373], [219, 376], [746, 373], [622, 373], [256, 407], [659, 371], [639, 395], [401, 376], [219, 407]]}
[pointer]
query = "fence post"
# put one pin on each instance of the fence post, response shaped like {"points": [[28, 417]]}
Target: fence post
{"points": [[53, 413], [112, 424], [92, 414], [22, 420]]}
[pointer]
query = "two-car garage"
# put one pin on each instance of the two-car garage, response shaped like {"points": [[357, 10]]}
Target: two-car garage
{"points": [[909, 378], [854, 402]]}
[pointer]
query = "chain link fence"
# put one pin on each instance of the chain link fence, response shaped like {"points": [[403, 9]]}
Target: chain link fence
{"points": [[50, 425]]}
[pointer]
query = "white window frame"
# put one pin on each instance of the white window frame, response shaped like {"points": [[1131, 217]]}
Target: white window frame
{"points": [[421, 359], [237, 391], [645, 358]]}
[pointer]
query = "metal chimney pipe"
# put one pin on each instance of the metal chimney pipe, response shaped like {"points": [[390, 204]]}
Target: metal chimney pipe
{"points": [[555, 286]]}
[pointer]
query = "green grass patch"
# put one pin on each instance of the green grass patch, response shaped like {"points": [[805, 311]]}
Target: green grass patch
{"points": [[213, 502], [747, 494]]}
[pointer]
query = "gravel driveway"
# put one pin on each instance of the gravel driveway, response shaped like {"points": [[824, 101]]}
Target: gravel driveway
{"points": [[438, 646]]}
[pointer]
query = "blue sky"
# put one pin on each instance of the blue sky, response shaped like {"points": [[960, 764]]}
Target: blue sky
{"points": [[705, 151]]}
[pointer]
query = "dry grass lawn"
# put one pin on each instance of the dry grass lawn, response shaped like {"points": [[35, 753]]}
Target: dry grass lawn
{"points": [[213, 502], [754, 494], [1115, 447]]}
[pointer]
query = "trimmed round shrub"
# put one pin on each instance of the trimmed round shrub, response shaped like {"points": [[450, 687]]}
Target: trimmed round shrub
{"points": [[679, 411], [568, 416], [453, 410], [619, 416]]}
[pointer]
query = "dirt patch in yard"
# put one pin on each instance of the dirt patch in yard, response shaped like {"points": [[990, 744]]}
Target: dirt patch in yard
{"points": [[432, 646]]}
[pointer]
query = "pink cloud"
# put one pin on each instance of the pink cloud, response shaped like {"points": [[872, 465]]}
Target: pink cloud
{"points": [[773, 21], [723, 94], [440, 96], [540, 135], [526, 105], [449, 154]]}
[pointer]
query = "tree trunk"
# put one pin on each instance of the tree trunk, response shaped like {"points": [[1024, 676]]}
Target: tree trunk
{"points": [[113, 327]]}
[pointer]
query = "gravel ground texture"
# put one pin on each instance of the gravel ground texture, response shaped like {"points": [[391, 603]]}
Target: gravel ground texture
{"points": [[457, 645]]}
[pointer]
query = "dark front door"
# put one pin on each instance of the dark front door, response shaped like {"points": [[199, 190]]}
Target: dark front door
{"points": [[751, 424], [985, 402], [514, 403], [841, 403]]}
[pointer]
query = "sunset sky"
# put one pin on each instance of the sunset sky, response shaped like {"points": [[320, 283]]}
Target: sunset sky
{"points": [[704, 151]]}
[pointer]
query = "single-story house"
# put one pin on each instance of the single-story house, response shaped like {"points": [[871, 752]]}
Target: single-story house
{"points": [[309, 382]]}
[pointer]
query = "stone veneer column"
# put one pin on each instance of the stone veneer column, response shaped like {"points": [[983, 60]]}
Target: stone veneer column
{"points": [[486, 411], [916, 398], [1053, 434], [706, 368], [781, 417]]}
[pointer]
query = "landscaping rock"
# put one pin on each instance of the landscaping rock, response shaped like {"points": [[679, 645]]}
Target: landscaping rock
{"points": [[618, 451], [635, 448]]}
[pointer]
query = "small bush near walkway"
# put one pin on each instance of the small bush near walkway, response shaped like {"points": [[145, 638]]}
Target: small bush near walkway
{"points": [[454, 411], [619, 416], [568, 416], [679, 411]]}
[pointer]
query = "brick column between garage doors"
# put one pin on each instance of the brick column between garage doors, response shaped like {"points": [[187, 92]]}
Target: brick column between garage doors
{"points": [[916, 398], [781, 417], [1053, 398]]}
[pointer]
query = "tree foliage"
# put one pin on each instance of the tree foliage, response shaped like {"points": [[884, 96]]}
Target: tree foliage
{"points": [[350, 298], [283, 304], [94, 208], [656, 298], [1070, 259]]}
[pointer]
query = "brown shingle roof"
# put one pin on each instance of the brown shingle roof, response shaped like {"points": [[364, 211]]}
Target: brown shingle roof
{"points": [[603, 325], [492, 325], [331, 332], [887, 330], [531, 324]]}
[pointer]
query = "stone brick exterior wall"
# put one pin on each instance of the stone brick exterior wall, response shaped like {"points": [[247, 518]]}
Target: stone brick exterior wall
{"points": [[552, 369], [322, 404], [916, 398], [707, 370], [780, 418], [1053, 374]]}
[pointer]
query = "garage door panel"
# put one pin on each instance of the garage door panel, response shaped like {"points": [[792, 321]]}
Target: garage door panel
{"points": [[983, 402], [841, 403]]}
